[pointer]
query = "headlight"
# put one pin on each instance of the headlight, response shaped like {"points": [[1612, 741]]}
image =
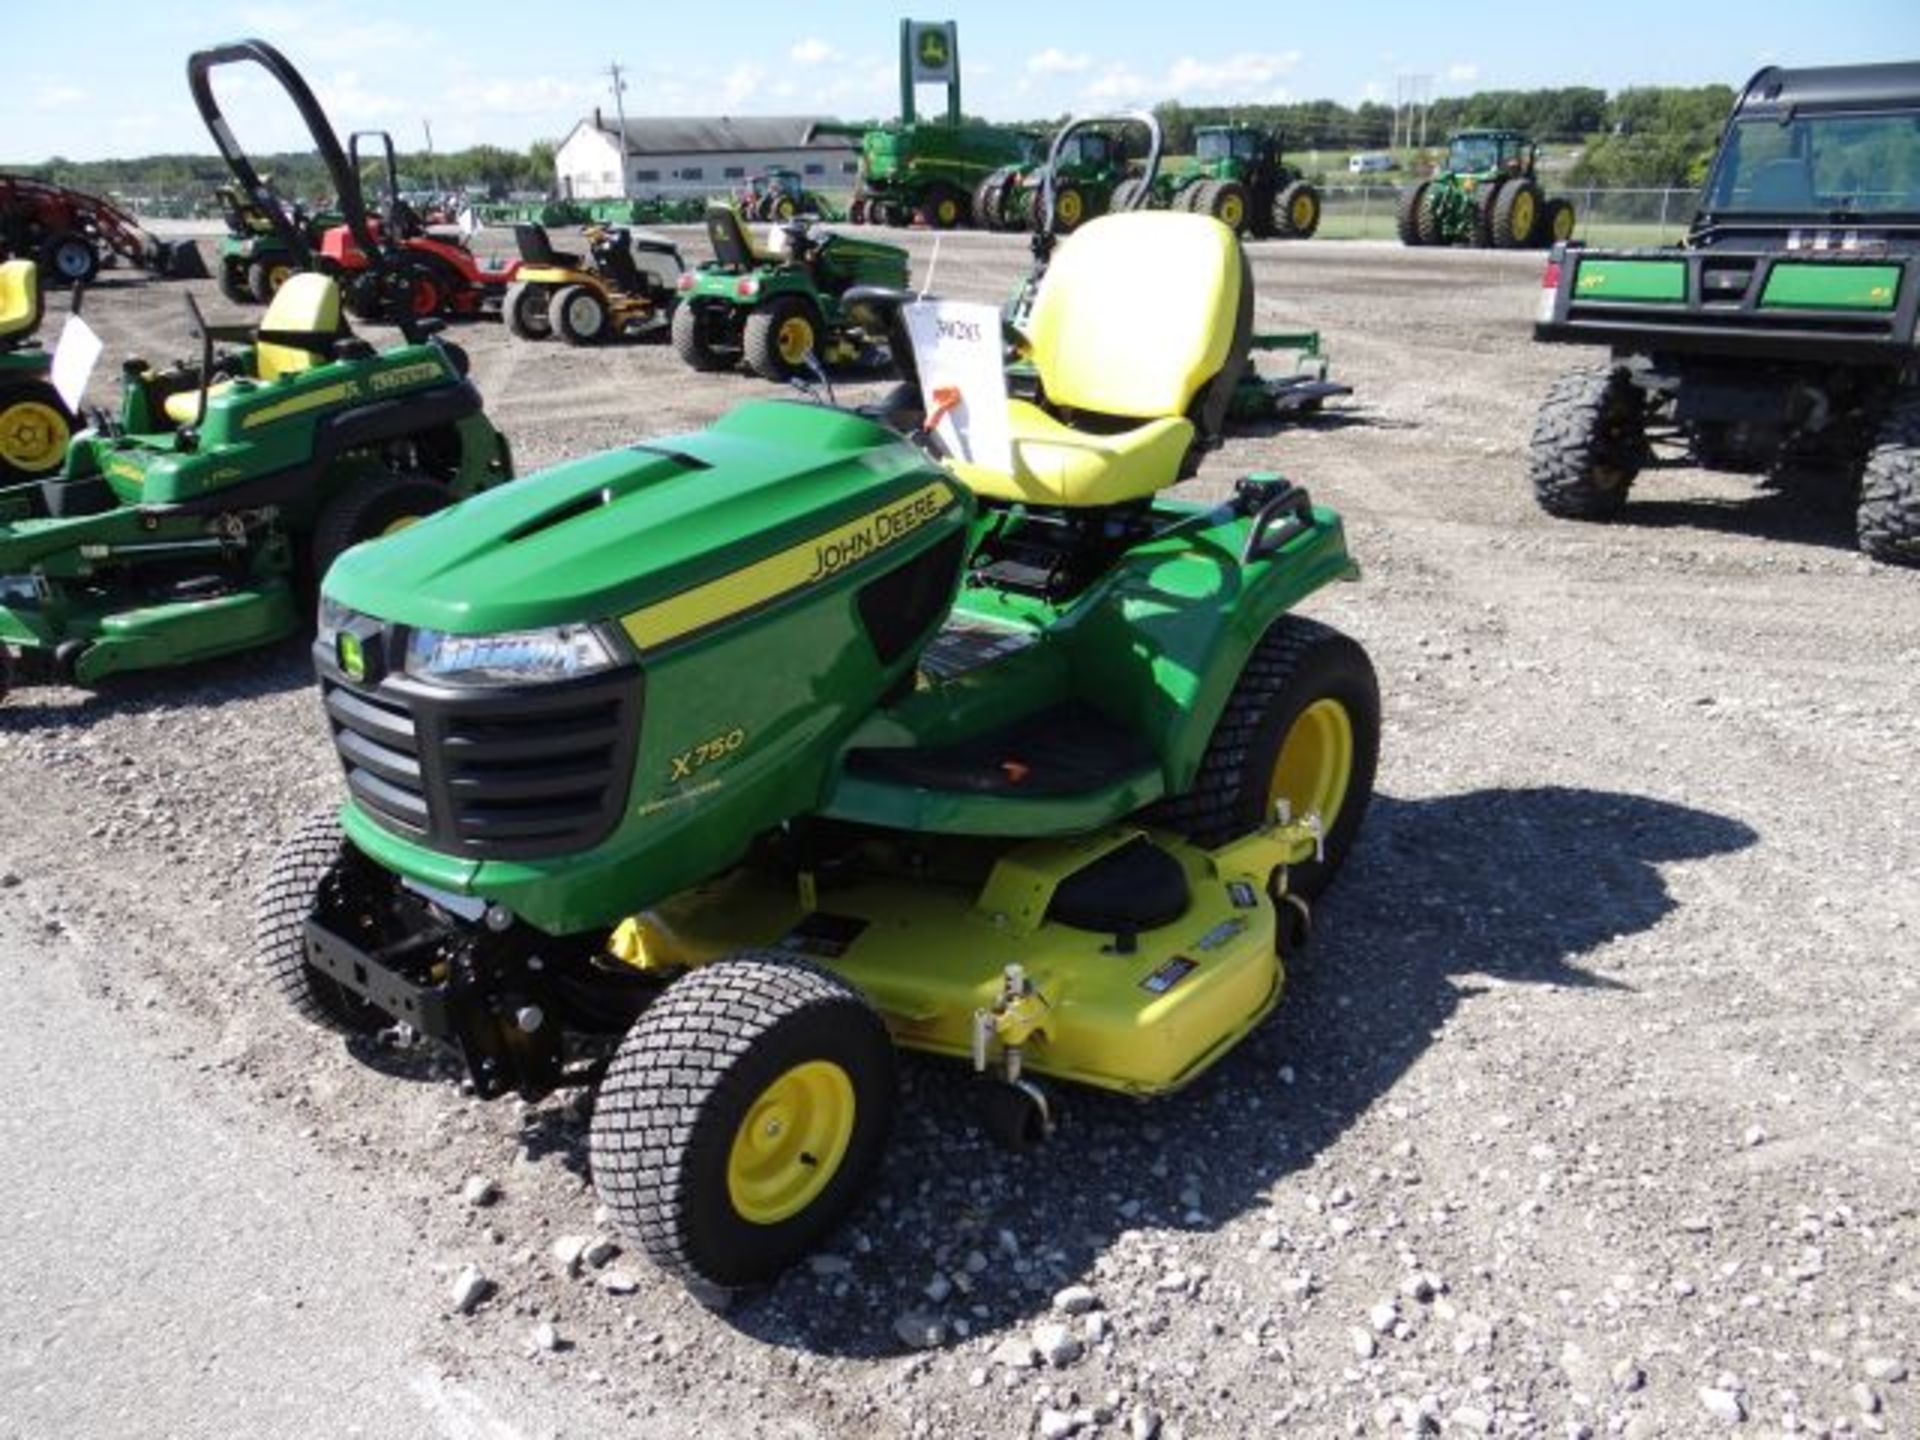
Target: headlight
{"points": [[513, 657]]}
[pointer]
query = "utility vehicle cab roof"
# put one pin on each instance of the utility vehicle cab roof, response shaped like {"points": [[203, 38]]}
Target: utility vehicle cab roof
{"points": [[1778, 92]]}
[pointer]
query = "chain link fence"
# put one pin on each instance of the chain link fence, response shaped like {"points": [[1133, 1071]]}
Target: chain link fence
{"points": [[1601, 217]]}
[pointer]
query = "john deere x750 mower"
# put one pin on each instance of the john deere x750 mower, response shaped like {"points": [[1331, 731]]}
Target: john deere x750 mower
{"points": [[782, 308], [710, 771], [188, 527]]}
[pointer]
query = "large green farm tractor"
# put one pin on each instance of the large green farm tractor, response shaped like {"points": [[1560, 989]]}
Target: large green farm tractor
{"points": [[1783, 336], [1086, 174], [1239, 177], [782, 307], [198, 522], [925, 170], [1487, 195]]}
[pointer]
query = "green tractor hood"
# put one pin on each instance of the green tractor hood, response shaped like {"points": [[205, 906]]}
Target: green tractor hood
{"points": [[617, 534]]}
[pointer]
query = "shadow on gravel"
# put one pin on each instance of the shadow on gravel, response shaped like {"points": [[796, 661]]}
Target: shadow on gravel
{"points": [[1802, 507], [1349, 416], [250, 676], [1515, 885]]}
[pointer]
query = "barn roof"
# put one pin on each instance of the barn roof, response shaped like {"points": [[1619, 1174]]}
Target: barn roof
{"points": [[716, 134]]}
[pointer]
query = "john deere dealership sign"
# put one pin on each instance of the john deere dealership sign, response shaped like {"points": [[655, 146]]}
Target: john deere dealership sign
{"points": [[932, 46]]}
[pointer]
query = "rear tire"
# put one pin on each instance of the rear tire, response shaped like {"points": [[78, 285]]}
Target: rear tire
{"points": [[1227, 202], [743, 1117], [1406, 219], [1589, 442], [1557, 222], [1889, 515], [1516, 214], [69, 259], [371, 506], [281, 909], [1126, 196], [265, 277], [579, 315], [1296, 211], [1303, 722], [779, 336], [233, 284], [525, 311], [694, 340]]}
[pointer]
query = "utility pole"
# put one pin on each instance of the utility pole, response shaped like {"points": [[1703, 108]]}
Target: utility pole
{"points": [[433, 170], [620, 109]]}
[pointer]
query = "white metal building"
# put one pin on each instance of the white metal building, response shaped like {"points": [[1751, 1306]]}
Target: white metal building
{"points": [[696, 155]]}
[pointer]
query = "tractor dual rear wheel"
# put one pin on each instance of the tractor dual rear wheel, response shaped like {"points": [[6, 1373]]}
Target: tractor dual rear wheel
{"points": [[743, 1116], [1302, 725], [304, 865]]}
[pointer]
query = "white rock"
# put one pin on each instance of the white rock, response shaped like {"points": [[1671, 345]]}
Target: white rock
{"points": [[1886, 1368], [1364, 1345], [1755, 1135], [1628, 1376], [1270, 1238], [545, 1337], [470, 1287], [1058, 1424], [1866, 1399], [1057, 1345], [619, 1282], [1173, 1280], [1383, 1317], [1097, 1327], [1472, 1420], [1723, 1405], [567, 1251], [1143, 1424], [1016, 1352], [1076, 1300], [938, 1288], [479, 1190], [978, 1376]]}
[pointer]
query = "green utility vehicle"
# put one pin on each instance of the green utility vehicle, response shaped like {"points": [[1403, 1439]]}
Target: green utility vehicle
{"points": [[1086, 174], [782, 307], [1239, 177], [1781, 335], [254, 262], [1488, 195], [710, 771], [35, 424], [190, 526]]}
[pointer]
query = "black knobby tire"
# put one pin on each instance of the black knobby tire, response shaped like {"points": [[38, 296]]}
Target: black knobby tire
{"points": [[68, 259], [1484, 201], [579, 315], [986, 204], [684, 1080], [1231, 194], [281, 910], [370, 506], [946, 208], [1284, 221], [524, 308], [1552, 217], [1589, 441], [1509, 232], [761, 339], [1888, 519], [260, 279], [1427, 222], [1126, 195], [1406, 219], [1298, 663], [233, 284], [695, 341]]}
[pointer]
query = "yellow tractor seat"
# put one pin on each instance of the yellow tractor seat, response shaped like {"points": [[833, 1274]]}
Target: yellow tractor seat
{"points": [[306, 304], [1142, 317], [19, 298]]}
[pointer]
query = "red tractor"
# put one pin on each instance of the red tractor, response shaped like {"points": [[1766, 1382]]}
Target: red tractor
{"points": [[70, 234]]}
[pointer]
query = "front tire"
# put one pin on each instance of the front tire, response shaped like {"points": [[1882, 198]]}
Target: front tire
{"points": [[695, 340], [1889, 515], [1406, 219], [70, 259], [743, 1116], [780, 335], [309, 859], [525, 311], [579, 315], [372, 506], [1303, 725], [1589, 442], [1296, 211], [1516, 214]]}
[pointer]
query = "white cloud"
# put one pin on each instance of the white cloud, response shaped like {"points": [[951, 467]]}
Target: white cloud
{"points": [[742, 82], [532, 95], [325, 33], [812, 51], [1118, 82], [1055, 61], [1463, 72], [57, 95], [1247, 75]]}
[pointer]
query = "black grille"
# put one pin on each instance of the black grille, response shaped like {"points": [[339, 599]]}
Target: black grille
{"points": [[513, 775]]}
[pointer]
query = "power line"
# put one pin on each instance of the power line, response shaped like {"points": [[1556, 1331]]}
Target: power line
{"points": [[620, 109]]}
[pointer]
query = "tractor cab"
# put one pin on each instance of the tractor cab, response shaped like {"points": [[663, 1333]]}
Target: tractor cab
{"points": [[1490, 154], [1228, 142]]}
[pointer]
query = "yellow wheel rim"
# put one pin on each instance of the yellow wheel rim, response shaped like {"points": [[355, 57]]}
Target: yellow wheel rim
{"points": [[1523, 213], [277, 276], [394, 527], [949, 212], [33, 436], [1563, 223], [791, 1143], [1232, 212], [794, 339], [1303, 211], [1066, 207], [1315, 764], [784, 210]]}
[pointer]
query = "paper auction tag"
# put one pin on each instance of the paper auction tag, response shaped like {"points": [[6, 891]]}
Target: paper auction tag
{"points": [[963, 378], [73, 361]]}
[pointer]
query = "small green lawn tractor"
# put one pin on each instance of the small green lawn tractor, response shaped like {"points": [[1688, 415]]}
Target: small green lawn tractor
{"points": [[192, 525], [1238, 177], [254, 262], [1487, 196], [624, 286], [35, 424], [782, 307], [711, 771], [1783, 335], [1085, 173]]}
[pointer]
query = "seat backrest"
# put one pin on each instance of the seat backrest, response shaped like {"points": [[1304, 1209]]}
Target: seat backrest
{"points": [[19, 298], [1137, 312], [307, 303], [733, 244], [536, 247]]}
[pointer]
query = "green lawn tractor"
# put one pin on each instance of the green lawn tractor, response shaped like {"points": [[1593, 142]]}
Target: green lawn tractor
{"points": [[1783, 336], [624, 286], [782, 307], [1239, 177], [35, 424], [191, 525], [1487, 196], [710, 772], [254, 262], [925, 171], [1301, 388], [1085, 173]]}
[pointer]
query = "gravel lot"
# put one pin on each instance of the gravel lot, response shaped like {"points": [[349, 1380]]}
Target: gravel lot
{"points": [[1592, 1111]]}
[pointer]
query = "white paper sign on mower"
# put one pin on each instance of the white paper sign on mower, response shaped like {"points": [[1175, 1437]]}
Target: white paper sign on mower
{"points": [[73, 361], [963, 379]]}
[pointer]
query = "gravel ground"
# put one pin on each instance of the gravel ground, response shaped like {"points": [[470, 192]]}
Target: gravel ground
{"points": [[1592, 1110]]}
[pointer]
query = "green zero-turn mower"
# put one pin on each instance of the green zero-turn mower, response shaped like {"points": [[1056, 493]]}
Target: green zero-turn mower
{"points": [[189, 526], [35, 424], [1255, 395], [711, 771], [782, 307]]}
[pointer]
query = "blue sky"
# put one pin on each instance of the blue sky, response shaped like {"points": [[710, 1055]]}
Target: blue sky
{"points": [[509, 71]]}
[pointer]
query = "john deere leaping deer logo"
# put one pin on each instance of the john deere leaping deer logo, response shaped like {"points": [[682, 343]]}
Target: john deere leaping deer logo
{"points": [[933, 49]]}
